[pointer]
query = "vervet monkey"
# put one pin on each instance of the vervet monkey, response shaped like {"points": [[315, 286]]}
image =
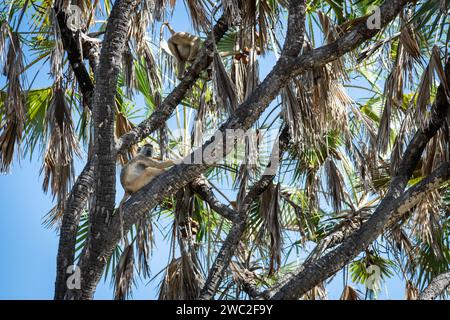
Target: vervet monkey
{"points": [[184, 46], [139, 171]]}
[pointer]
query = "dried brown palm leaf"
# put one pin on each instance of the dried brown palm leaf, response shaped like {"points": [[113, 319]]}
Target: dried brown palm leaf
{"points": [[423, 92], [239, 76], [245, 66], [249, 168], [263, 14], [129, 77], [150, 64], [408, 38], [242, 180], [368, 52], [408, 125], [224, 88], [401, 240], [4, 35], [332, 33], [314, 105], [144, 245], [124, 274], [138, 33], [270, 214], [311, 188], [317, 293], [393, 93], [200, 119], [349, 294], [62, 144], [335, 183], [232, 10], [426, 220], [434, 153], [160, 7], [249, 10], [252, 73], [53, 217], [292, 113], [184, 205], [407, 54], [183, 279], [123, 125], [57, 54], [411, 292], [198, 10], [14, 105]]}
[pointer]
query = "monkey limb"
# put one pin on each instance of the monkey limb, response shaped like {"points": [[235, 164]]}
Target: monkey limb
{"points": [[183, 46], [168, 26], [139, 173]]}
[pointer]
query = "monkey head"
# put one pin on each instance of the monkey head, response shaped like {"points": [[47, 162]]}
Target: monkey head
{"points": [[146, 150]]}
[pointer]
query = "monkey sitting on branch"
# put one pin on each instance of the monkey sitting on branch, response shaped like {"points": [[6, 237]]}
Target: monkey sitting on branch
{"points": [[184, 47], [140, 171]]}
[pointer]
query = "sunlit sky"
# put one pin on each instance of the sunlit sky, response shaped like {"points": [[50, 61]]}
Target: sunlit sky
{"points": [[28, 249]]}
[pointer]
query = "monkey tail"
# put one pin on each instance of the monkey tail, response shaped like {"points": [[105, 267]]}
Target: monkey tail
{"points": [[167, 24]]}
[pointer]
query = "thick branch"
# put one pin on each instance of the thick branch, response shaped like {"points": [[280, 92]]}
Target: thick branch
{"points": [[74, 55], [223, 259], [296, 28], [69, 227], [204, 190], [436, 287], [351, 40]]}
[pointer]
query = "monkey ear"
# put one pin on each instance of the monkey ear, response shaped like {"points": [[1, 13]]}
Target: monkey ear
{"points": [[139, 149]]}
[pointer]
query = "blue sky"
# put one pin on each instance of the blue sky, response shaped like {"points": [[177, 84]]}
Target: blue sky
{"points": [[28, 249]]}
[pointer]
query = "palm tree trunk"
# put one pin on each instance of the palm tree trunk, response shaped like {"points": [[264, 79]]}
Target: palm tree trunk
{"points": [[69, 227], [103, 106]]}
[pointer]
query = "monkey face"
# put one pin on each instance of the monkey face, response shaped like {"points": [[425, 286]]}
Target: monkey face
{"points": [[147, 150]]}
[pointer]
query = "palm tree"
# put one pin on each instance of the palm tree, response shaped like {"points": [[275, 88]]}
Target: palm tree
{"points": [[352, 117]]}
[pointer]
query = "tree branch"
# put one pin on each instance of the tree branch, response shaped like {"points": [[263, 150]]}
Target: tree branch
{"points": [[83, 187], [204, 190], [74, 55], [436, 287]]}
